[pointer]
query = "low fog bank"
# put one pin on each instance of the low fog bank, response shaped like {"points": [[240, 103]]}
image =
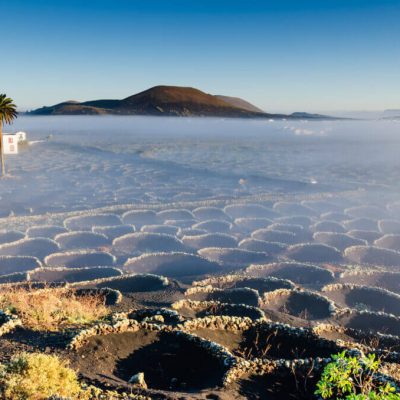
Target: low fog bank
{"points": [[87, 162]]}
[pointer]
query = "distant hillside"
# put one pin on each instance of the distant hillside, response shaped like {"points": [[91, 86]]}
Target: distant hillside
{"points": [[392, 111], [304, 115], [165, 101], [391, 114], [238, 102]]}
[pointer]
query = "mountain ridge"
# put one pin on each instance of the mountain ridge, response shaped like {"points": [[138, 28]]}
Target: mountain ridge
{"points": [[166, 100]]}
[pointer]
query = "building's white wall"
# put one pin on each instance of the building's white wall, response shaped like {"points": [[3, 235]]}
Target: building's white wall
{"points": [[10, 144]]}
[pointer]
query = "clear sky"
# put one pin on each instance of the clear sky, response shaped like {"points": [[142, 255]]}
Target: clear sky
{"points": [[283, 55]]}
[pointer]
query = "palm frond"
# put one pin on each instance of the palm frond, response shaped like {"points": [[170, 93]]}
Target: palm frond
{"points": [[8, 110]]}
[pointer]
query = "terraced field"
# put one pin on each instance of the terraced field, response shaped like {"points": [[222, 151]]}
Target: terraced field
{"points": [[211, 289]]}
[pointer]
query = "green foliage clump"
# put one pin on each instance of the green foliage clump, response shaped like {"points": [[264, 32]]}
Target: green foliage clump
{"points": [[37, 376], [354, 378]]}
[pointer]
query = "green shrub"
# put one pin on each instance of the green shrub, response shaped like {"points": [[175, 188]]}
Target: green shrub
{"points": [[354, 378]]}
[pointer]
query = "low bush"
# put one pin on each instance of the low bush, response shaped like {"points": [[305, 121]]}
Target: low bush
{"points": [[37, 376]]}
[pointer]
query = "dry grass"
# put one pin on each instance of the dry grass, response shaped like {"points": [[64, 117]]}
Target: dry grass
{"points": [[391, 369], [52, 309]]}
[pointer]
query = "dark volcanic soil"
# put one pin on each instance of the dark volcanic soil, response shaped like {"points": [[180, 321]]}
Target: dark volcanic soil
{"points": [[167, 362]]}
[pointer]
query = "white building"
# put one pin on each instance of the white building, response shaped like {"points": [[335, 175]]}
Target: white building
{"points": [[10, 143]]}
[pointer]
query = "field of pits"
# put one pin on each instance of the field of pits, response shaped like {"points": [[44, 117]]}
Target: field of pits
{"points": [[261, 293]]}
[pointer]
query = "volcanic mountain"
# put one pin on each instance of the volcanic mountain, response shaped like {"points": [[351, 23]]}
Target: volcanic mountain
{"points": [[164, 101]]}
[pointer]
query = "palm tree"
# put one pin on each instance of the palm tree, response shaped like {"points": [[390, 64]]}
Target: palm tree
{"points": [[8, 112]]}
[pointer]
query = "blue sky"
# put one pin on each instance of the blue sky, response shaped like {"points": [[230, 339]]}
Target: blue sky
{"points": [[282, 55]]}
